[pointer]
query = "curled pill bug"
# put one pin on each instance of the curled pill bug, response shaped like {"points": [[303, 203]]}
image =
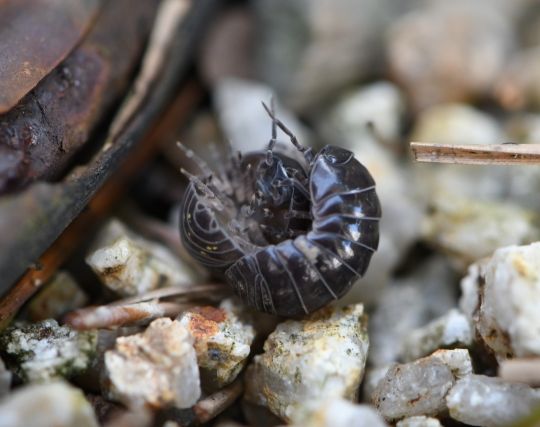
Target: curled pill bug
{"points": [[288, 233]]}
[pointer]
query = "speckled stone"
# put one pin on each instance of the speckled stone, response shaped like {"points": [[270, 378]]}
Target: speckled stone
{"points": [[490, 402], [44, 350], [222, 340], [131, 265], [450, 330], [309, 361], [420, 387], [508, 318], [157, 367], [55, 404]]}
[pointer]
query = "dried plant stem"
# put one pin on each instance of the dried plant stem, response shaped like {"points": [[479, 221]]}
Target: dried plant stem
{"points": [[523, 370], [495, 154], [110, 316], [213, 405]]}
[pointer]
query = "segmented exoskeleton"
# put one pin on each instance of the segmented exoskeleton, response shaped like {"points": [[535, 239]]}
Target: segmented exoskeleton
{"points": [[289, 236]]}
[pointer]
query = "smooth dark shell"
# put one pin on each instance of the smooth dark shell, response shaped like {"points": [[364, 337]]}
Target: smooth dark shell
{"points": [[298, 276]]}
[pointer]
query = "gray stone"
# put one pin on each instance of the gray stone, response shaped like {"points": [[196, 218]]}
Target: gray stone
{"points": [[450, 330], [55, 404], [490, 402], [309, 50], [449, 51], [420, 387], [44, 350], [157, 367], [310, 361]]}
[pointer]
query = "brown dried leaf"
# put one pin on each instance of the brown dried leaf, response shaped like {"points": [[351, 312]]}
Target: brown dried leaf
{"points": [[35, 36]]}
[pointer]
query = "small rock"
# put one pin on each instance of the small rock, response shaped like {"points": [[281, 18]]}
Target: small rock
{"points": [[310, 50], [5, 379], [157, 367], [245, 123], [60, 295], [469, 230], [490, 402], [508, 318], [309, 361], [380, 104], [420, 387], [55, 404], [342, 413], [45, 350], [222, 342], [470, 289], [450, 330], [408, 303], [131, 265], [419, 421], [449, 51]]}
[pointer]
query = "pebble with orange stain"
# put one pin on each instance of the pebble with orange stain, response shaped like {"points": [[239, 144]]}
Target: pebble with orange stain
{"points": [[222, 340]]}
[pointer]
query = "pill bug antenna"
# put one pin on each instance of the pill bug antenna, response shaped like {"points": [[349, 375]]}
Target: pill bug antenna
{"points": [[306, 151], [272, 142], [199, 162]]}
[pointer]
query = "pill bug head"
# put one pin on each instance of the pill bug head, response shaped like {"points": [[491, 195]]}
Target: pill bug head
{"points": [[288, 235]]}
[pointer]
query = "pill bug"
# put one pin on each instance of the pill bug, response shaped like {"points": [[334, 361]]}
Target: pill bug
{"points": [[289, 236]]}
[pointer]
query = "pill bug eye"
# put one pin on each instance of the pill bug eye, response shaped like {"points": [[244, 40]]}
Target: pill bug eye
{"points": [[288, 236]]}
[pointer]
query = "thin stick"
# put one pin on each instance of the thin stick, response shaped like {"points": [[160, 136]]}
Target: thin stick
{"points": [[208, 408], [495, 154], [110, 316], [522, 370]]}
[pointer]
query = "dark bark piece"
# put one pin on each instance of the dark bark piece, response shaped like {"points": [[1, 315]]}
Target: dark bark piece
{"points": [[35, 36], [40, 135]]}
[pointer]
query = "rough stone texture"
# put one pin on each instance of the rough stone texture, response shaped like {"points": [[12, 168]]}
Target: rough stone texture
{"points": [[450, 330], [469, 230], [419, 421], [157, 367], [60, 295], [420, 387], [372, 378], [45, 350], [245, 123], [508, 318], [309, 361], [55, 404], [408, 303], [131, 265], [308, 50], [449, 51], [342, 413], [222, 340], [490, 402]]}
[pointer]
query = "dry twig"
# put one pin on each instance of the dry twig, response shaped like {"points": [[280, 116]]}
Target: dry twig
{"points": [[495, 154], [523, 370]]}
